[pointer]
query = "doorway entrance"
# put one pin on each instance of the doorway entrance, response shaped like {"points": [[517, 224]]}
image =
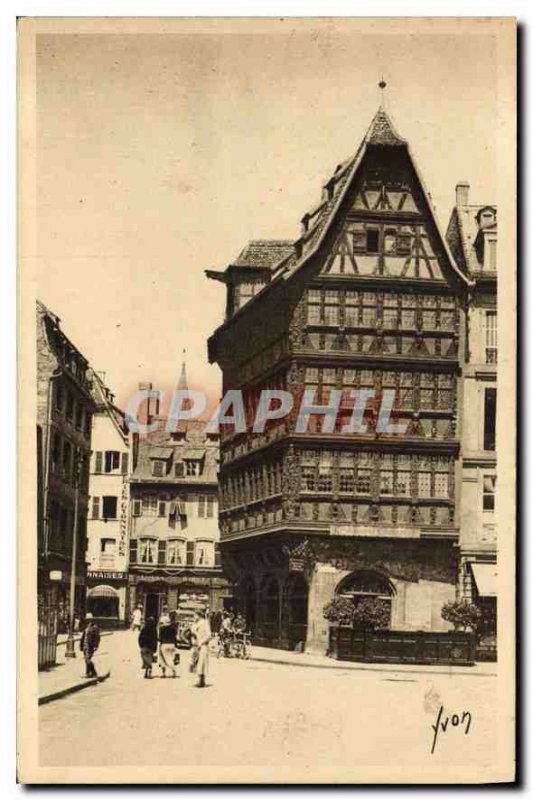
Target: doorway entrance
{"points": [[152, 605], [296, 594]]}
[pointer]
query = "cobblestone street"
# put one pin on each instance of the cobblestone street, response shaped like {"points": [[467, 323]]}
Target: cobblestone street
{"points": [[256, 713]]}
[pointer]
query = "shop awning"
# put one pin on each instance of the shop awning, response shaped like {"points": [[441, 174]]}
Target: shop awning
{"points": [[486, 578], [102, 591]]}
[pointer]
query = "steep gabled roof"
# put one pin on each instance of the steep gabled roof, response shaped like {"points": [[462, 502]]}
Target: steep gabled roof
{"points": [[317, 222], [160, 444], [101, 397], [462, 232], [381, 133]]}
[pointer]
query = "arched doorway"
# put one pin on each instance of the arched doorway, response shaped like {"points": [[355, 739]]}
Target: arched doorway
{"points": [[369, 587], [296, 598]]}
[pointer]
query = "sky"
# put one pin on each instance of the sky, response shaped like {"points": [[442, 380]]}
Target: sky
{"points": [[162, 155]]}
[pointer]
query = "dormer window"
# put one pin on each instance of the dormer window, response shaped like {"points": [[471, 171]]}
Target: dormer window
{"points": [[486, 216], [246, 290], [158, 468], [161, 459], [193, 467]]}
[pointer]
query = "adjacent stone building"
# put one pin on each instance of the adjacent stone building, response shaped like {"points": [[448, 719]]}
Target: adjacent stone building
{"points": [[65, 408], [369, 297], [473, 235], [174, 541], [109, 517]]}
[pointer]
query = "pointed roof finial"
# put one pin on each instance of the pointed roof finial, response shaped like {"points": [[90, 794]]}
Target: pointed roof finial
{"points": [[382, 85], [182, 383]]}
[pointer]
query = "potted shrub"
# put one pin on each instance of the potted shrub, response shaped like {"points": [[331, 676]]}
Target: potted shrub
{"points": [[371, 614], [339, 611], [463, 615]]}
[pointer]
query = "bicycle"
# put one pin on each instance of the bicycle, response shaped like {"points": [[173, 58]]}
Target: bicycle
{"points": [[241, 645]]}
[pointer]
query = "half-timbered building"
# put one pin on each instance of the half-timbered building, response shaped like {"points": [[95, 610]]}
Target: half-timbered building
{"points": [[368, 296]]}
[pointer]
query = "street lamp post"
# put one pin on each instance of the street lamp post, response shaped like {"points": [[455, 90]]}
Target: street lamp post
{"points": [[70, 651]]}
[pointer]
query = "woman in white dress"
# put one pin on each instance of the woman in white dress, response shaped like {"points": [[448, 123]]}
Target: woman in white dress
{"points": [[201, 631]]}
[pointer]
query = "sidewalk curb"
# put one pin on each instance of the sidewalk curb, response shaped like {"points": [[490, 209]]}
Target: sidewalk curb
{"points": [[351, 665], [77, 638], [75, 687]]}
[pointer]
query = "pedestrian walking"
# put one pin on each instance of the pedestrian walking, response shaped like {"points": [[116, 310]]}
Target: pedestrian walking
{"points": [[216, 621], [168, 648], [164, 619], [148, 645], [226, 633], [89, 643], [239, 623], [201, 632], [137, 619]]}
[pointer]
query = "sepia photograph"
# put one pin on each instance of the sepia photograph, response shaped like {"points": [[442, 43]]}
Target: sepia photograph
{"points": [[267, 400]]}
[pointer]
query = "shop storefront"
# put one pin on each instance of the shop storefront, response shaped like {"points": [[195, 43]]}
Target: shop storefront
{"points": [[153, 591], [107, 597]]}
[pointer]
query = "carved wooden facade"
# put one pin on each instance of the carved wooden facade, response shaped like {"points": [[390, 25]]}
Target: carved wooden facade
{"points": [[368, 297]]}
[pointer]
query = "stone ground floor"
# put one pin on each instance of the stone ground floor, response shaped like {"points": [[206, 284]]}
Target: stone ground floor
{"points": [[283, 584], [259, 713]]}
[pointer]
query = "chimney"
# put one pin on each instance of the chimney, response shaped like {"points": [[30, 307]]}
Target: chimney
{"points": [[146, 409], [461, 193]]}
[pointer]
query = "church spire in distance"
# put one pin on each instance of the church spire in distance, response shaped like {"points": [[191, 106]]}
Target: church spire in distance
{"points": [[182, 383]]}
